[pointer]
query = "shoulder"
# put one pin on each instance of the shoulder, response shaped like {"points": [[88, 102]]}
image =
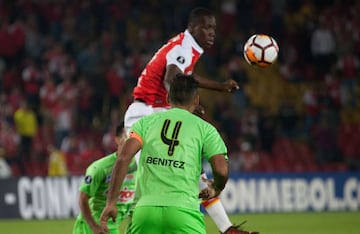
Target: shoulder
{"points": [[102, 163]]}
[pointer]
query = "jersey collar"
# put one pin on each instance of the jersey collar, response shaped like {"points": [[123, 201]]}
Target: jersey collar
{"points": [[192, 42]]}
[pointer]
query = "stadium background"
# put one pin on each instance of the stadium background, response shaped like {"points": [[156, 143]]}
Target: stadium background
{"points": [[76, 62]]}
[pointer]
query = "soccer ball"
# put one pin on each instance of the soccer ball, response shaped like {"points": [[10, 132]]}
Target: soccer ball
{"points": [[261, 50]]}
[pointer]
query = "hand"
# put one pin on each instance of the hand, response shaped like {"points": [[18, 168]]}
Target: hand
{"points": [[230, 86], [110, 211], [99, 230], [210, 191]]}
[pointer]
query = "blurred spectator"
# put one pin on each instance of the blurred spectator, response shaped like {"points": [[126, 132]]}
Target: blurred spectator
{"points": [[240, 99], [288, 119], [312, 108], [323, 47], [5, 170], [9, 143], [48, 96], [349, 66], [249, 126], [11, 79], [14, 99], [227, 16], [32, 80], [108, 138], [34, 42], [11, 38], [63, 121], [26, 124], [72, 146], [333, 86], [324, 136], [88, 60], [249, 158], [115, 80], [267, 130], [85, 108], [57, 162]]}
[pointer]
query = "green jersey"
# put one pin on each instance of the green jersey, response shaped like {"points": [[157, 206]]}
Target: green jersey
{"points": [[96, 184], [174, 143]]}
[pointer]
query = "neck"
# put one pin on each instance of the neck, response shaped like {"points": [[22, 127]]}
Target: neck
{"points": [[189, 108]]}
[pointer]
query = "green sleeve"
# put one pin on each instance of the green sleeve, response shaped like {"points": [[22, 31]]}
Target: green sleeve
{"points": [[92, 180], [138, 126], [213, 143]]}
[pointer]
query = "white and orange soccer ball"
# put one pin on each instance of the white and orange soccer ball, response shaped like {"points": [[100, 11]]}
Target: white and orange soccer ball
{"points": [[261, 50]]}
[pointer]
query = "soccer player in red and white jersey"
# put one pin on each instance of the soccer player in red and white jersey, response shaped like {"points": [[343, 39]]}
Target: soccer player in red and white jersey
{"points": [[180, 55]]}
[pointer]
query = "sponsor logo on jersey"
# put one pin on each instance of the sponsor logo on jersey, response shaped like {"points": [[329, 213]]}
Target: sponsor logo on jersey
{"points": [[88, 179], [180, 59], [165, 162], [126, 195], [108, 178], [129, 177]]}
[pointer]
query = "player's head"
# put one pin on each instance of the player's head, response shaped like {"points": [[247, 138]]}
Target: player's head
{"points": [[120, 134], [184, 91], [202, 26]]}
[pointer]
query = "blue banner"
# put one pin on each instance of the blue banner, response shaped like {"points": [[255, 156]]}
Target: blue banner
{"points": [[57, 197], [292, 192]]}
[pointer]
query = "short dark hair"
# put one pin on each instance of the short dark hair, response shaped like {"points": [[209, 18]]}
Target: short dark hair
{"points": [[197, 13], [119, 129], [183, 89]]}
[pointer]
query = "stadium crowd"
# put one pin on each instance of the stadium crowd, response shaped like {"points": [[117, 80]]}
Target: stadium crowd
{"points": [[67, 69]]}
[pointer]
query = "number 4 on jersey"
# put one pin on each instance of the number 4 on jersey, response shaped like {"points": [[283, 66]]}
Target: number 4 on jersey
{"points": [[173, 141]]}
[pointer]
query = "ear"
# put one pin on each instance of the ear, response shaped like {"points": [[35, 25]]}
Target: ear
{"points": [[197, 100]]}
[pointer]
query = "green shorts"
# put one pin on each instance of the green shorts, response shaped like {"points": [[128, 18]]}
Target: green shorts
{"points": [[166, 219], [82, 227]]}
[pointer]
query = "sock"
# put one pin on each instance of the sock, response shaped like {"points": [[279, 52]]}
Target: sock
{"points": [[218, 214]]}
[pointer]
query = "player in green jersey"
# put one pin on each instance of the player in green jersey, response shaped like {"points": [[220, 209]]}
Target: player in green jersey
{"points": [[172, 145], [94, 189]]}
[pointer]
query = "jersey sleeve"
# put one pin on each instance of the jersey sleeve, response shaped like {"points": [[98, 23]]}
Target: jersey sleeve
{"points": [[179, 56], [137, 129], [92, 180], [213, 144]]}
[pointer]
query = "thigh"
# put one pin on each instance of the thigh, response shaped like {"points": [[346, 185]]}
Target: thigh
{"points": [[169, 220], [179, 220], [146, 220]]}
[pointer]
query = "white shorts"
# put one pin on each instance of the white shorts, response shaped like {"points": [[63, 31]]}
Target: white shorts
{"points": [[136, 111]]}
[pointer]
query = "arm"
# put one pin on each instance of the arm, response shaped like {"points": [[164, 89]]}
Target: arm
{"points": [[125, 155], [219, 166], [227, 86], [220, 170], [86, 213]]}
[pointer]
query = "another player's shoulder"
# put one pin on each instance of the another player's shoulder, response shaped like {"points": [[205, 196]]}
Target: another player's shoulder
{"points": [[103, 163]]}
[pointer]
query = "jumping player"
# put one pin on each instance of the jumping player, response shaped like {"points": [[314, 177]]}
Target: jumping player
{"points": [[180, 55], [94, 188]]}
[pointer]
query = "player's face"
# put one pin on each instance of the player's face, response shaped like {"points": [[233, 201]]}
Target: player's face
{"points": [[204, 31]]}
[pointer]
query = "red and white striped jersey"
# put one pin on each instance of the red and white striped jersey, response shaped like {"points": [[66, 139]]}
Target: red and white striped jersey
{"points": [[182, 51]]}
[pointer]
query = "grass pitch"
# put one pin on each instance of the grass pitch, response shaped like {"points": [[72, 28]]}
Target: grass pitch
{"points": [[269, 223]]}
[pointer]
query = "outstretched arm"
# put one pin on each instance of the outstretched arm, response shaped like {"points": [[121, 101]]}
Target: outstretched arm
{"points": [[226, 86]]}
